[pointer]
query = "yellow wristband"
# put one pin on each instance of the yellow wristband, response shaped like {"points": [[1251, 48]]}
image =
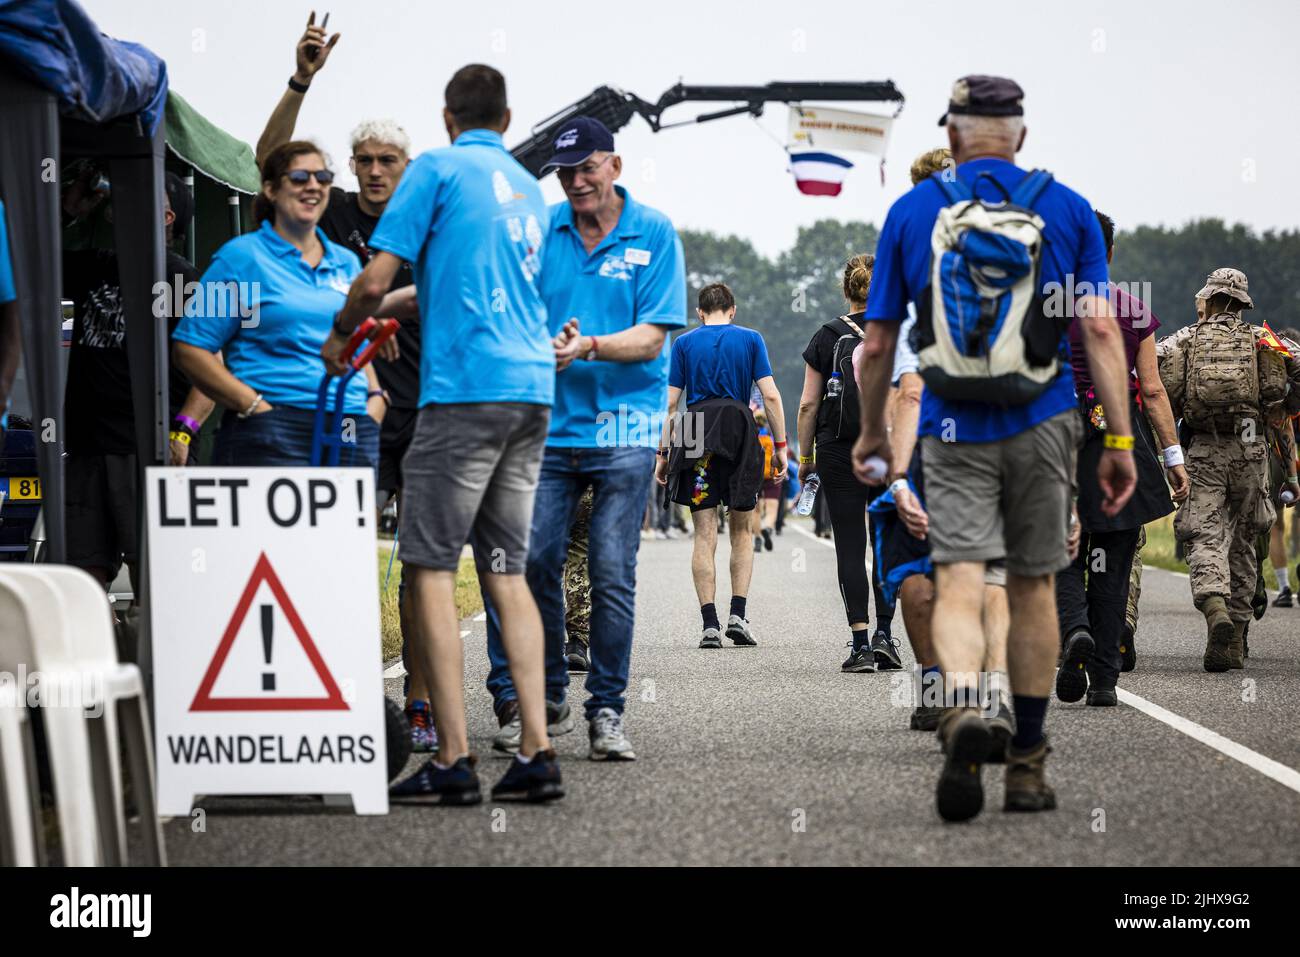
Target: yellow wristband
{"points": [[806, 459], [182, 437], [1122, 442]]}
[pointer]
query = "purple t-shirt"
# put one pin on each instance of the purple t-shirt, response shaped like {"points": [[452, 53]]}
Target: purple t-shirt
{"points": [[1136, 322]]}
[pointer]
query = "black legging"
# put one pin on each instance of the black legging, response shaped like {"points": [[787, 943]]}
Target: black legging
{"points": [[1098, 607], [847, 500]]}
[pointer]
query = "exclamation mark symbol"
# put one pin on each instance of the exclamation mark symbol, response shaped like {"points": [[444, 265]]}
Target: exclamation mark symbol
{"points": [[361, 503], [268, 617]]}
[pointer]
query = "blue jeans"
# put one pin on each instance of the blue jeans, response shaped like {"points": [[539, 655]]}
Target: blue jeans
{"points": [[282, 437], [620, 480]]}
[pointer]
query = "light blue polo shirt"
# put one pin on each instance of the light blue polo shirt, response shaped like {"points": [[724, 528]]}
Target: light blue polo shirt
{"points": [[7, 291], [472, 221], [636, 274], [270, 334]]}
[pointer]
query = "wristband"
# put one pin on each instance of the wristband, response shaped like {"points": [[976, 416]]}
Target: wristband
{"points": [[595, 348], [253, 405], [382, 393], [779, 445], [1173, 456], [663, 453], [187, 422], [182, 437], [897, 484], [337, 329], [298, 87], [1293, 480], [807, 459], [1122, 442]]}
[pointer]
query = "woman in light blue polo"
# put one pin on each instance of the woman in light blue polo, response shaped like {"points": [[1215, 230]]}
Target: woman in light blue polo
{"points": [[267, 303]]}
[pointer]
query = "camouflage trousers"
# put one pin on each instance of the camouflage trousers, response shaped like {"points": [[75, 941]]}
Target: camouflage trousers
{"points": [[577, 580], [1227, 508], [1135, 585]]}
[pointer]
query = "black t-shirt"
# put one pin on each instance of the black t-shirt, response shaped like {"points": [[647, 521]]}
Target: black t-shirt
{"points": [[831, 349], [97, 406], [348, 225]]}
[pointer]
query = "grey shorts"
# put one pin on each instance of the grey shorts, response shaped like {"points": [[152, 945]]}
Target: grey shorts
{"points": [[1011, 498], [470, 475]]}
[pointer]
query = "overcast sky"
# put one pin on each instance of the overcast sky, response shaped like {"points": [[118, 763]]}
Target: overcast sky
{"points": [[1158, 112]]}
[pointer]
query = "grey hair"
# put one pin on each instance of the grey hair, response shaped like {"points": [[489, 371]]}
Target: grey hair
{"points": [[999, 128], [384, 131]]}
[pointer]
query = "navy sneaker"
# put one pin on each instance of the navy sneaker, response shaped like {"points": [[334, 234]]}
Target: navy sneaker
{"points": [[860, 659], [536, 781], [456, 785], [885, 648]]}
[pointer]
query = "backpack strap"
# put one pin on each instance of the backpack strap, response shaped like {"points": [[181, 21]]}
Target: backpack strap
{"points": [[955, 191], [854, 326], [1030, 188]]}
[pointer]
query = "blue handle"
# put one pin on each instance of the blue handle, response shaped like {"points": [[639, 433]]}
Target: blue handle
{"points": [[326, 445]]}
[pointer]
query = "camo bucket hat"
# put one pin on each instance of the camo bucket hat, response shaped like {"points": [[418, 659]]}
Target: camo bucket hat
{"points": [[1228, 280]]}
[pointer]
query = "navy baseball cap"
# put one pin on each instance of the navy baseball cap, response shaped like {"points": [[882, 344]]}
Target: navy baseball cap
{"points": [[578, 139], [978, 95]]}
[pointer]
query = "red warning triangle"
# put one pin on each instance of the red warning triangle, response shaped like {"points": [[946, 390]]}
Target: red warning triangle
{"points": [[203, 700]]}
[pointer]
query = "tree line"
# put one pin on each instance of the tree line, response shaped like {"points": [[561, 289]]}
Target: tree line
{"points": [[789, 297]]}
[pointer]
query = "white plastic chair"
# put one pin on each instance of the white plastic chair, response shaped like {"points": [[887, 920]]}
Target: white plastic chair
{"points": [[119, 700], [19, 801], [35, 639]]}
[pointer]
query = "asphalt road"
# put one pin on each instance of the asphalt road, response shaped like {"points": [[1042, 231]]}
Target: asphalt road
{"points": [[770, 755]]}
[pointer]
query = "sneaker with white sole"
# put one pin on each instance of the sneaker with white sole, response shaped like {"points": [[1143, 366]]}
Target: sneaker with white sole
{"points": [[712, 638], [559, 720], [885, 648], [738, 631], [608, 741]]}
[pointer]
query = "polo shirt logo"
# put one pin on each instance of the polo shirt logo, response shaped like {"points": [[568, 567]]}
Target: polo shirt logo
{"points": [[340, 283], [501, 187], [637, 257], [615, 268]]}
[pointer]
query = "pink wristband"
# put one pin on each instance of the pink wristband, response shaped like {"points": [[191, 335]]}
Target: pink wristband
{"points": [[188, 422]]}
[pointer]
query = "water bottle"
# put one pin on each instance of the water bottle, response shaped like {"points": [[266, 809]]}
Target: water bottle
{"points": [[1287, 496], [835, 386], [809, 494]]}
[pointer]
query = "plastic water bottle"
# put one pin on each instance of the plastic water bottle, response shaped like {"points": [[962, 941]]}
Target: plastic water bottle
{"points": [[809, 495], [1287, 496], [835, 386]]}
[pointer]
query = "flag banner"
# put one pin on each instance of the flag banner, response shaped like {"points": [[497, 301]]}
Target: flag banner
{"points": [[823, 129], [819, 174], [1270, 339]]}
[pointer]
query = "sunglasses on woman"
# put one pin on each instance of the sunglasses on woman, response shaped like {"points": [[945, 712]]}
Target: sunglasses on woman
{"points": [[299, 177]]}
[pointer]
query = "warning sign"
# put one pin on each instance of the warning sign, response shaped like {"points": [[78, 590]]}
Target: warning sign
{"points": [[266, 645]]}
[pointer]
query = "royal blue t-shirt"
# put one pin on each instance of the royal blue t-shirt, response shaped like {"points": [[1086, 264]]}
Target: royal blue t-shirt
{"points": [[268, 313], [716, 362], [472, 221], [636, 274], [1074, 248], [7, 291]]}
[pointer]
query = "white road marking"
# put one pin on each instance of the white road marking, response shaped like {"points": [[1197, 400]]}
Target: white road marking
{"points": [[1287, 777], [807, 534], [481, 616]]}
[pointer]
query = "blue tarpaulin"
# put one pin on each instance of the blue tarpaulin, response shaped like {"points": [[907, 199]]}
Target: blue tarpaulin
{"points": [[55, 44]]}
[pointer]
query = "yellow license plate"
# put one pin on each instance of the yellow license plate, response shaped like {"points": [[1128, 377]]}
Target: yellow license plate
{"points": [[28, 489]]}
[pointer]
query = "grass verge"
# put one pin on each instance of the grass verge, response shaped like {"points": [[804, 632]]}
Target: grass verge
{"points": [[468, 600]]}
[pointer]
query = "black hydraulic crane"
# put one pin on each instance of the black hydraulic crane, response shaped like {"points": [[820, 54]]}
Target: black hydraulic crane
{"points": [[615, 108]]}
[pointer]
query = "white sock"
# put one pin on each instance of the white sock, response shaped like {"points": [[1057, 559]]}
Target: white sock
{"points": [[1283, 578], [524, 760]]}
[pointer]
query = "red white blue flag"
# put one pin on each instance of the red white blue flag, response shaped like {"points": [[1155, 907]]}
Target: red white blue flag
{"points": [[818, 173]]}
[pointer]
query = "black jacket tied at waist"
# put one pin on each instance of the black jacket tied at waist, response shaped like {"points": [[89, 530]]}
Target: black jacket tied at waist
{"points": [[724, 428]]}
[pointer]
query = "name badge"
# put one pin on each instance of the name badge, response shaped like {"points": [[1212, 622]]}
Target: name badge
{"points": [[637, 257]]}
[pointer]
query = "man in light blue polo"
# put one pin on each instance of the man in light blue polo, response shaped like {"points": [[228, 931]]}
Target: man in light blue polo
{"points": [[472, 220], [614, 282]]}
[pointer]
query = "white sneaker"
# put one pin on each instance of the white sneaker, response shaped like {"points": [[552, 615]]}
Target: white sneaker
{"points": [[608, 742], [738, 631]]}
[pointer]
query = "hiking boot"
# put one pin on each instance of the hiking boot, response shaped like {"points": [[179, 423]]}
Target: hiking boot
{"points": [[536, 781], [1102, 697], [885, 647], [1027, 788], [456, 785], [1002, 728], [1128, 657], [738, 631], [959, 795], [1219, 635], [608, 740], [1284, 599], [861, 660], [925, 717], [1237, 647], [1072, 676], [712, 638], [577, 657]]}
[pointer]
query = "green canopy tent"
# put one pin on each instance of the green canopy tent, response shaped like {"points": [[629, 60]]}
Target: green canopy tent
{"points": [[223, 192]]}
